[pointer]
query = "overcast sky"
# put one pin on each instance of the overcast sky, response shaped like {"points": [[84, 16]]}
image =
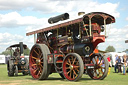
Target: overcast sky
{"points": [[17, 17]]}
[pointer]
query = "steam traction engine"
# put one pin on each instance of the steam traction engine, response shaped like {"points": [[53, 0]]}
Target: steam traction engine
{"points": [[17, 62], [67, 47]]}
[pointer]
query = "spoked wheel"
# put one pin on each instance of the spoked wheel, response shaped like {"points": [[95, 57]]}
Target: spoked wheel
{"points": [[62, 76], [10, 68], [38, 61], [16, 70], [100, 70], [26, 67], [73, 67], [58, 66]]}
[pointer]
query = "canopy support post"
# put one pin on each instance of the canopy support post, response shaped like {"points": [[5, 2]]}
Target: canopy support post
{"points": [[34, 38], [105, 26], [90, 26]]}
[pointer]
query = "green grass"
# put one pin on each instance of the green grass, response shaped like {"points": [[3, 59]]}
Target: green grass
{"points": [[55, 79]]}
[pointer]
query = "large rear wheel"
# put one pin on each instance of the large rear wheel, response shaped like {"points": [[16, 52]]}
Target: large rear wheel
{"points": [[38, 65], [100, 70], [73, 67]]}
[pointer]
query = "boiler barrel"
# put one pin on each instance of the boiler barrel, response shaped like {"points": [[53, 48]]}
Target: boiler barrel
{"points": [[81, 49]]}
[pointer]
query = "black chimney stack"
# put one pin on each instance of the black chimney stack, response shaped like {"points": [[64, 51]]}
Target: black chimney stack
{"points": [[58, 18], [21, 48]]}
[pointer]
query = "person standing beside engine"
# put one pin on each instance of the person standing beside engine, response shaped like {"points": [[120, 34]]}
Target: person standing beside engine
{"points": [[116, 63], [125, 60], [109, 61], [110, 65], [119, 64]]}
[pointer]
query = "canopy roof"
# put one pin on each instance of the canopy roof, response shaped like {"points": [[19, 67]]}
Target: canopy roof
{"points": [[17, 45], [96, 17]]}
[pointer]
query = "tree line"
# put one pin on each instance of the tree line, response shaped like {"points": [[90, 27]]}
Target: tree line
{"points": [[8, 52]]}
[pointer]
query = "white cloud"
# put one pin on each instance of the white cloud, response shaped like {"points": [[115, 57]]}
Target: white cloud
{"points": [[97, 7], [117, 39], [52, 6], [127, 36], [127, 18], [14, 19], [7, 39]]}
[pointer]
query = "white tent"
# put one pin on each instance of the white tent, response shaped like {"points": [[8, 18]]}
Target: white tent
{"points": [[2, 59]]}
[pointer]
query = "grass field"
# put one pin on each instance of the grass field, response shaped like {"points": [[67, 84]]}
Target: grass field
{"points": [[55, 79]]}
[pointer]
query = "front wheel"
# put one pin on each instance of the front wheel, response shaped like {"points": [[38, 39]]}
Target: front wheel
{"points": [[10, 68], [38, 65], [26, 67], [73, 67], [100, 70], [16, 70]]}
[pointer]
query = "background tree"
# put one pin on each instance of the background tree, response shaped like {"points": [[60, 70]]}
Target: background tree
{"points": [[26, 51], [125, 50], [110, 49], [8, 52], [96, 47]]}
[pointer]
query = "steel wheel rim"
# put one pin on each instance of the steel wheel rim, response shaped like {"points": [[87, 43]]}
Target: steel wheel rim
{"points": [[99, 68], [71, 68], [36, 62]]}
